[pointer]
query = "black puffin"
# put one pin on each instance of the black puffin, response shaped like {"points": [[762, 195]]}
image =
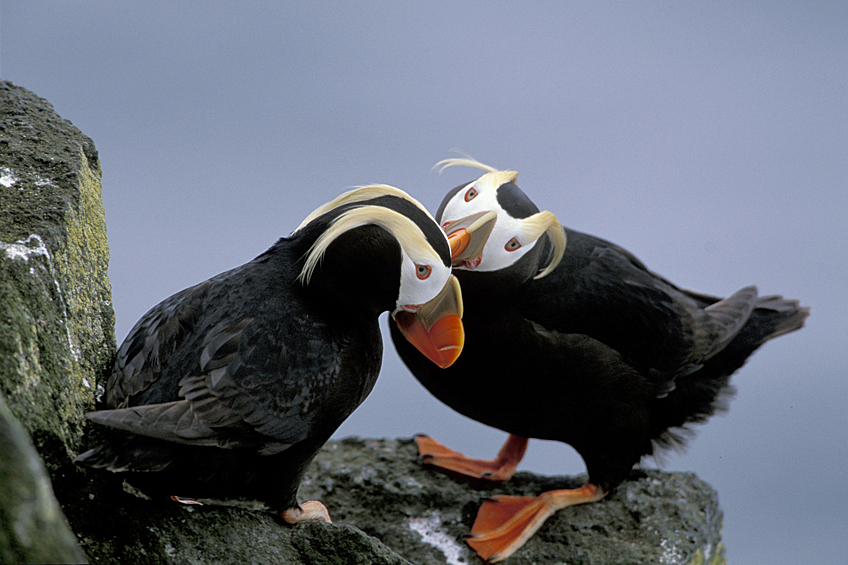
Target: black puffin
{"points": [[578, 343], [228, 389]]}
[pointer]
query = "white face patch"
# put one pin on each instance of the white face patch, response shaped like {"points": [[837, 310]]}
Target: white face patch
{"points": [[500, 251], [415, 290]]}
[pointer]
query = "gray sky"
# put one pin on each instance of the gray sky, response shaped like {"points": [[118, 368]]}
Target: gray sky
{"points": [[710, 139]]}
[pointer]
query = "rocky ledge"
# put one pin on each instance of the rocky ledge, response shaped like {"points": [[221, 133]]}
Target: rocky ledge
{"points": [[388, 508], [380, 486]]}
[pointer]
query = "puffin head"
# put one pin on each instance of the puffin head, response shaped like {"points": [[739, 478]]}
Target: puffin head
{"points": [[376, 249], [492, 226]]}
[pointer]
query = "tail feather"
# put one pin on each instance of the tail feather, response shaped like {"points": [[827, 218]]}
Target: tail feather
{"points": [[784, 315], [707, 391], [100, 457], [727, 317], [135, 455]]}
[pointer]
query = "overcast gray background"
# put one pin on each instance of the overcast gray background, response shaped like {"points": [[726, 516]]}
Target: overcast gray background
{"points": [[708, 138]]}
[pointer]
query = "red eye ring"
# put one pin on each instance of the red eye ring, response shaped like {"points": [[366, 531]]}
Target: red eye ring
{"points": [[512, 245], [471, 194], [423, 271]]}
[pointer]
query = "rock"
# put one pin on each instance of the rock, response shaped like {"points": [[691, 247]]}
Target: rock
{"points": [[57, 329], [385, 505], [55, 299], [32, 526], [379, 486], [115, 526], [57, 340]]}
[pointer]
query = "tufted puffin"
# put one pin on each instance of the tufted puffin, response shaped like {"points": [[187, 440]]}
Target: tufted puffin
{"points": [[579, 343], [228, 389]]}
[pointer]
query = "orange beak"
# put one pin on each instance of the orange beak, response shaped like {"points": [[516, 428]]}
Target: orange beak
{"points": [[468, 235], [458, 241], [435, 329]]}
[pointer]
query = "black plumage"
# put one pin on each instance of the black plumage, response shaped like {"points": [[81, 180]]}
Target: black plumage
{"points": [[227, 389], [599, 352]]}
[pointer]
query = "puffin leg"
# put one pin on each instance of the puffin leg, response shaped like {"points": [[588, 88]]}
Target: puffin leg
{"points": [[500, 469], [505, 523], [309, 510]]}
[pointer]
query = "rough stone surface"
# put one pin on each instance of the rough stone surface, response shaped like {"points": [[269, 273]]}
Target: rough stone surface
{"points": [[379, 485], [33, 530], [404, 509], [115, 526], [56, 318]]}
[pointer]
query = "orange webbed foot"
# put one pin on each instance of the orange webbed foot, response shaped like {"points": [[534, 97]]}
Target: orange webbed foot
{"points": [[499, 469], [505, 523]]}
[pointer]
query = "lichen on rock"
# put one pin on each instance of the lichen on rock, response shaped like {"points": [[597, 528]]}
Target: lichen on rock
{"points": [[55, 299]]}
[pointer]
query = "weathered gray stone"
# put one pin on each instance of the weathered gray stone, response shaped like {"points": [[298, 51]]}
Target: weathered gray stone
{"points": [[33, 530], [379, 486], [56, 320], [57, 329], [115, 526]]}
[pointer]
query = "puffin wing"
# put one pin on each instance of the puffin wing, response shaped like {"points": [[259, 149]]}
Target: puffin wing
{"points": [[155, 337], [249, 391], [601, 290], [170, 421], [272, 376]]}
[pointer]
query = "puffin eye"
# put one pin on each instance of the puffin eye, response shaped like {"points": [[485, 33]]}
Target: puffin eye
{"points": [[471, 194], [512, 245], [422, 271]]}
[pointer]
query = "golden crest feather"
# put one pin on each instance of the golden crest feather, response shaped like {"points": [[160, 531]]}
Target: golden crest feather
{"points": [[360, 194], [410, 237], [493, 176]]}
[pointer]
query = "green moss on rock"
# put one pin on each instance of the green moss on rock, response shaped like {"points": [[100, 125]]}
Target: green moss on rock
{"points": [[56, 318]]}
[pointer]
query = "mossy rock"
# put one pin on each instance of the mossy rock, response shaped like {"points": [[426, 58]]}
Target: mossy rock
{"points": [[56, 318]]}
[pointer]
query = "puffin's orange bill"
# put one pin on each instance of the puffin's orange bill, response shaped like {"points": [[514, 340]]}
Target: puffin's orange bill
{"points": [[458, 241], [436, 328], [468, 235]]}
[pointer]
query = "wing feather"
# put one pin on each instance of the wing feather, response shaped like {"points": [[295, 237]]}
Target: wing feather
{"points": [[250, 395], [154, 338], [602, 290]]}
